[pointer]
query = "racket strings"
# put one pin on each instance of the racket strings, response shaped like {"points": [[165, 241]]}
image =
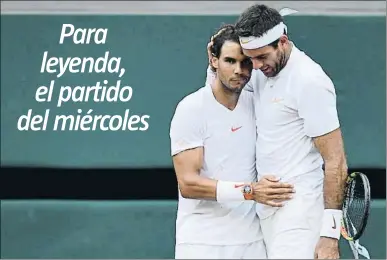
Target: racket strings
{"points": [[354, 207]]}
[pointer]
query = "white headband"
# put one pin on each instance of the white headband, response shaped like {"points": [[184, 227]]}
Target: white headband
{"points": [[270, 36]]}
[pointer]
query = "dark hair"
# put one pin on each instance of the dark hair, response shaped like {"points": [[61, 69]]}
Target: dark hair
{"points": [[257, 20], [228, 34]]}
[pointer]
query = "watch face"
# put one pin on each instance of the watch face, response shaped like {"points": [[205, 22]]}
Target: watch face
{"points": [[247, 189]]}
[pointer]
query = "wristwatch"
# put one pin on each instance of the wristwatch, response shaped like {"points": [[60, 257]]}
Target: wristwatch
{"points": [[247, 191]]}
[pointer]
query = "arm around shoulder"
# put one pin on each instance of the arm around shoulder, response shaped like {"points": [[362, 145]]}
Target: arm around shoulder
{"points": [[210, 76]]}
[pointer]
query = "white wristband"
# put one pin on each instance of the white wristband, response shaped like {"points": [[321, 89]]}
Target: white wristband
{"points": [[331, 225], [229, 191]]}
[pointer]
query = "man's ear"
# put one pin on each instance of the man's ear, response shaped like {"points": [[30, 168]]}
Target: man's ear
{"points": [[283, 39], [214, 62]]}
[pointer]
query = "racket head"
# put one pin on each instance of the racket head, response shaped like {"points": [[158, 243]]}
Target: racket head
{"points": [[356, 206]]}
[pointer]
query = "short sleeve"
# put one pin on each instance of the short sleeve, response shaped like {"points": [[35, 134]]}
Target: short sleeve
{"points": [[249, 86], [317, 106], [186, 131], [256, 78]]}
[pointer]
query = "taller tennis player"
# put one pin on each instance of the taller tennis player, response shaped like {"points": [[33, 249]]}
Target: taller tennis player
{"points": [[298, 131]]}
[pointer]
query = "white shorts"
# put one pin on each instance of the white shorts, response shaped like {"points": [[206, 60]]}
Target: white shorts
{"points": [[255, 250], [293, 231]]}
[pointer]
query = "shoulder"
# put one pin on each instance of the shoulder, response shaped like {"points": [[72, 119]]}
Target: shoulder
{"points": [[247, 97], [310, 76], [257, 79], [188, 115], [192, 103]]}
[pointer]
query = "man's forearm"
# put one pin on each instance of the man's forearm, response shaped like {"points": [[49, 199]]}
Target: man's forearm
{"points": [[334, 183], [331, 148], [198, 187], [194, 186]]}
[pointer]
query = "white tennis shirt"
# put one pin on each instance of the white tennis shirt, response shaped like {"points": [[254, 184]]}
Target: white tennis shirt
{"points": [[228, 138], [292, 108]]}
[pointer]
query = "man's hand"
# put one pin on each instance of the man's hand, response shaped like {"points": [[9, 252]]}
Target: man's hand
{"points": [[327, 248], [209, 46], [209, 54], [270, 191]]}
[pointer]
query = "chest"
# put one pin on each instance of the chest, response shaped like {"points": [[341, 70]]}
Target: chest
{"points": [[230, 130], [276, 104]]}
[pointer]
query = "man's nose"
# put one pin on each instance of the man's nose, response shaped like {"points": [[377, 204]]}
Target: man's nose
{"points": [[257, 64], [238, 68]]}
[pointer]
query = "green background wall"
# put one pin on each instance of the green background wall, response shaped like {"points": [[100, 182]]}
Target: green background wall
{"points": [[165, 59], [55, 229]]}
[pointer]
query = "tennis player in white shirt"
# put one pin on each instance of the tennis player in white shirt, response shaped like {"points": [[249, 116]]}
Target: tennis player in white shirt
{"points": [[213, 136], [298, 131]]}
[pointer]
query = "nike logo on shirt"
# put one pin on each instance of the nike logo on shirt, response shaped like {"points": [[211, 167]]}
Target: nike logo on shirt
{"points": [[235, 129]]}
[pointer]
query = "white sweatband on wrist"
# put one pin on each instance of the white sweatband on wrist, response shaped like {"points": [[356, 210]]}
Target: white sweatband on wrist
{"points": [[331, 225], [227, 191]]}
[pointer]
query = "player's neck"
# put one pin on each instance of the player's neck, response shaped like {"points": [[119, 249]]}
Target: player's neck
{"points": [[225, 97], [288, 52], [284, 59]]}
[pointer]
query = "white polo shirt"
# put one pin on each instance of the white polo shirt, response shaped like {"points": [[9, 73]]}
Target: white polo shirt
{"points": [[292, 108], [228, 138]]}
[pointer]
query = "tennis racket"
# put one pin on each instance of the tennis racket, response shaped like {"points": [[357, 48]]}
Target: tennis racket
{"points": [[356, 208]]}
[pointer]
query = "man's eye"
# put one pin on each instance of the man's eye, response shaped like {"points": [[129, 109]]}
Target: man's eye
{"points": [[258, 58]]}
